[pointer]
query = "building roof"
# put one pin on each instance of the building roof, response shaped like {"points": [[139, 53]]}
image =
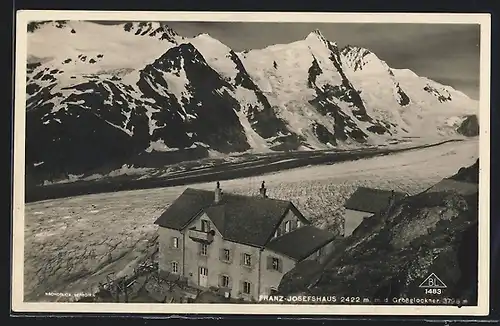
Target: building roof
{"points": [[244, 219], [300, 243], [370, 200], [460, 187]]}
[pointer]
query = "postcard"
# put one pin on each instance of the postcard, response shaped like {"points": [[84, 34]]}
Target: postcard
{"points": [[251, 163]]}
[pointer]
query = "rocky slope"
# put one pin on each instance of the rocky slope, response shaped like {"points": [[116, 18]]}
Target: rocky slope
{"points": [[470, 126], [389, 256], [99, 94]]}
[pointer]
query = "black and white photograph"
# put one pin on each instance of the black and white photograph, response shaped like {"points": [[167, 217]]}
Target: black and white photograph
{"points": [[256, 163]]}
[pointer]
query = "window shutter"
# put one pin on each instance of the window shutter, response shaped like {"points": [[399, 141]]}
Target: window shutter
{"points": [[220, 281], [294, 224], [242, 259], [280, 265], [230, 256], [242, 286], [269, 262]]}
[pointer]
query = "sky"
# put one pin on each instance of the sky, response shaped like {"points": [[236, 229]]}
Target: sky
{"points": [[446, 53]]}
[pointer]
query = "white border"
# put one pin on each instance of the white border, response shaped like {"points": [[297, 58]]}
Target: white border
{"points": [[23, 17]]}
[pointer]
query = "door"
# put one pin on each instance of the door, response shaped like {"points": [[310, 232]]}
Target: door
{"points": [[203, 277]]}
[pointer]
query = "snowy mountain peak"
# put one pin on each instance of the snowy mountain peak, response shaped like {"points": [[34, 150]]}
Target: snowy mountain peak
{"points": [[353, 49], [153, 29], [324, 51], [80, 49], [318, 33], [359, 58], [35, 25], [204, 40], [206, 36], [316, 36], [404, 73]]}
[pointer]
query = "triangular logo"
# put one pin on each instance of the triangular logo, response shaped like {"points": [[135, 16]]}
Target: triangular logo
{"points": [[432, 282]]}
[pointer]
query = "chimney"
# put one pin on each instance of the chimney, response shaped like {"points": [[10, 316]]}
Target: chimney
{"points": [[262, 190], [218, 193]]}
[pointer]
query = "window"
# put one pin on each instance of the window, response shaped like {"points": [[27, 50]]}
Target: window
{"points": [[287, 226], [299, 224], [175, 242], [247, 259], [175, 267], [205, 225], [224, 281], [247, 287], [203, 249], [276, 264], [226, 255]]}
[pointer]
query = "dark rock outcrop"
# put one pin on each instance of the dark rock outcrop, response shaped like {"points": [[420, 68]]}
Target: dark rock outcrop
{"points": [[470, 126], [468, 174]]}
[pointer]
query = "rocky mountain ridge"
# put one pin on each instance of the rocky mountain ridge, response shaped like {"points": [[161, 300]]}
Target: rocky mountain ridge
{"points": [[98, 94]]}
